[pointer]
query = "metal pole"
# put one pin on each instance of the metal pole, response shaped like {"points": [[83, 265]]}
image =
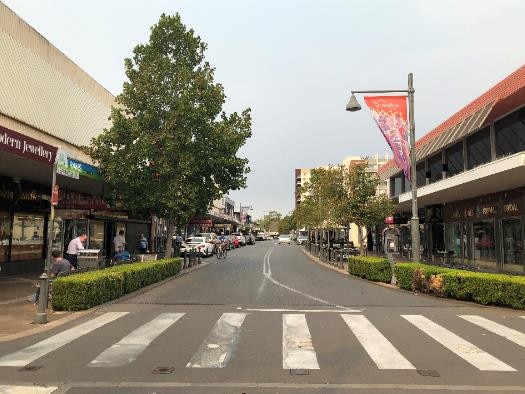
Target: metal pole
{"points": [[414, 227], [41, 315]]}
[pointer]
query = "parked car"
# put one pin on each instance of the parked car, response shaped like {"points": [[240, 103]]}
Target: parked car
{"points": [[250, 239], [210, 237], [301, 239], [260, 237], [203, 247], [241, 238], [284, 239]]}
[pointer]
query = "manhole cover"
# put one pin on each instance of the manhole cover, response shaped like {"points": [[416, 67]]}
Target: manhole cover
{"points": [[30, 368], [428, 372], [299, 372], [163, 370]]}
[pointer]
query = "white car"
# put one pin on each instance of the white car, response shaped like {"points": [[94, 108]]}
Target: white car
{"points": [[284, 239], [203, 247], [301, 239]]}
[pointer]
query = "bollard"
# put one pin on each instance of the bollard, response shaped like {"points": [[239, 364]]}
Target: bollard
{"points": [[41, 315], [185, 261]]}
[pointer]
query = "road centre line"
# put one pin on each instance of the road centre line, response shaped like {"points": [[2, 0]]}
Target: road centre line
{"points": [[39, 349], [267, 272], [128, 348], [464, 349]]}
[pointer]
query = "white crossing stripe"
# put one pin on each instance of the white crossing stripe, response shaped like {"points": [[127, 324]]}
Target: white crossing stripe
{"points": [[382, 352], [499, 329], [298, 350], [464, 349], [26, 389], [39, 349], [217, 349], [128, 348]]}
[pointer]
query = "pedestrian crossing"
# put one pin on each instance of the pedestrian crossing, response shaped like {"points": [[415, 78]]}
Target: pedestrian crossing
{"points": [[299, 351]]}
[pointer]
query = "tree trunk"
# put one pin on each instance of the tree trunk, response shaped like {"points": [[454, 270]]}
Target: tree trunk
{"points": [[169, 239], [360, 239]]}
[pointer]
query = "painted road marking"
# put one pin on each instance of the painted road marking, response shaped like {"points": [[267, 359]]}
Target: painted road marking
{"points": [[217, 349], [382, 352], [303, 310], [39, 349], [464, 349], [26, 389], [298, 350], [499, 329], [128, 348]]}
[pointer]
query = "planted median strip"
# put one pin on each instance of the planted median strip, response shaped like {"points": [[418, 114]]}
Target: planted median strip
{"points": [[483, 288], [86, 290]]}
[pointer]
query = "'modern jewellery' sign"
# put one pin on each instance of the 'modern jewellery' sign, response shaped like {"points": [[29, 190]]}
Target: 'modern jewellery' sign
{"points": [[27, 147]]}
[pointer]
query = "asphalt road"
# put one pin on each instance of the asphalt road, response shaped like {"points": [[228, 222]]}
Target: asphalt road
{"points": [[269, 320]]}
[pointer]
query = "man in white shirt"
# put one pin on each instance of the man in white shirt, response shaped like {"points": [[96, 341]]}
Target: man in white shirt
{"points": [[74, 247], [119, 241]]}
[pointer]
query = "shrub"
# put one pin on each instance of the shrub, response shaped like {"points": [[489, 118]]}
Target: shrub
{"points": [[484, 288], [86, 290], [371, 268], [421, 277]]}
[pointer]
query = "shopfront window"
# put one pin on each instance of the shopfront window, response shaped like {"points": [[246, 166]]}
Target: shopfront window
{"points": [[512, 245], [510, 134], [73, 228], [421, 174], [58, 235], [96, 234], [396, 185], [478, 148], [5, 235], [28, 237], [453, 241], [454, 158], [484, 245]]}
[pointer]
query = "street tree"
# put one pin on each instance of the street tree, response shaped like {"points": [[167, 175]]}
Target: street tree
{"points": [[270, 221], [171, 149]]}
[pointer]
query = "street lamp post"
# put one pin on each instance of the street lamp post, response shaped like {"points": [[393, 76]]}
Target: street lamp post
{"points": [[353, 105]]}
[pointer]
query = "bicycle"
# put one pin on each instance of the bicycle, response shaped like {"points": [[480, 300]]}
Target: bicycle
{"points": [[221, 252]]}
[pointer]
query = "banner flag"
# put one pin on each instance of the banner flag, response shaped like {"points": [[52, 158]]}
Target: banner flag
{"points": [[390, 115]]}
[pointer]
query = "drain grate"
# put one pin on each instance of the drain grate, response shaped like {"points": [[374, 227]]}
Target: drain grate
{"points": [[299, 372], [163, 370], [429, 372], [30, 368]]}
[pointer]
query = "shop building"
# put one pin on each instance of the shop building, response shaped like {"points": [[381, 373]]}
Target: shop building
{"points": [[48, 107], [471, 183]]}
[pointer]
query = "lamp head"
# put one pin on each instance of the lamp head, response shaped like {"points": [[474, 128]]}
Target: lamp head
{"points": [[353, 105]]}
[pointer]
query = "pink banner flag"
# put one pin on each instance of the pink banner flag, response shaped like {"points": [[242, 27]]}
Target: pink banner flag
{"points": [[390, 114]]}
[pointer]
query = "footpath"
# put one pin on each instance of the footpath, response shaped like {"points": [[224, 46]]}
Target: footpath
{"points": [[17, 310]]}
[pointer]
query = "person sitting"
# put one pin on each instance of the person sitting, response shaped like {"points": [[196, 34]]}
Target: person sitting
{"points": [[61, 266], [122, 254]]}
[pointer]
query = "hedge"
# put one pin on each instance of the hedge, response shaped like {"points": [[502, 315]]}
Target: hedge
{"points": [[480, 287], [86, 290], [371, 268]]}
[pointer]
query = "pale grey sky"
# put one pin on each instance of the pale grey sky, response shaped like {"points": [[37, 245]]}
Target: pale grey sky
{"points": [[295, 62]]}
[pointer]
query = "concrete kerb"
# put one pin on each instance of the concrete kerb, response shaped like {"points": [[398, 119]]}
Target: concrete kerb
{"points": [[76, 315]]}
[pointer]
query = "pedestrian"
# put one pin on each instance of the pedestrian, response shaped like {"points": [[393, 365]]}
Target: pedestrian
{"points": [[143, 244], [76, 245], [60, 266], [119, 241]]}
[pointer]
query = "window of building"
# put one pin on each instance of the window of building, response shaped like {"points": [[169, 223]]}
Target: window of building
{"points": [[421, 174], [453, 241], [512, 245], [96, 234], [396, 185], [484, 244], [478, 148], [28, 237], [510, 133], [435, 166], [5, 235], [454, 159]]}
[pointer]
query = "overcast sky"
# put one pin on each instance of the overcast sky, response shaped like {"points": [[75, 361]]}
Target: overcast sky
{"points": [[295, 62]]}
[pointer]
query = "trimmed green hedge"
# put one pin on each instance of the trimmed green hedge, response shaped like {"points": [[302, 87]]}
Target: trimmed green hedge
{"points": [[484, 288], [480, 287], [371, 268], [86, 290]]}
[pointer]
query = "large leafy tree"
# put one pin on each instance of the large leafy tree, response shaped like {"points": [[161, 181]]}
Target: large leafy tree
{"points": [[171, 149]]}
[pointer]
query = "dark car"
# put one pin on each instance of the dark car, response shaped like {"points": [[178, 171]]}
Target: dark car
{"points": [[250, 239]]}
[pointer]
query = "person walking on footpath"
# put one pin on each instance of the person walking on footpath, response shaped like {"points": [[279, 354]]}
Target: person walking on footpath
{"points": [[119, 241], [76, 245], [143, 244]]}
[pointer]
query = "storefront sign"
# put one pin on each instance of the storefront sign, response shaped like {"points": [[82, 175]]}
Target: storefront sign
{"points": [[201, 222], [22, 145], [76, 200], [72, 168]]}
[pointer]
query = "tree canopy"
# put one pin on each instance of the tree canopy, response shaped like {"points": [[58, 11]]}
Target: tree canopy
{"points": [[171, 149]]}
